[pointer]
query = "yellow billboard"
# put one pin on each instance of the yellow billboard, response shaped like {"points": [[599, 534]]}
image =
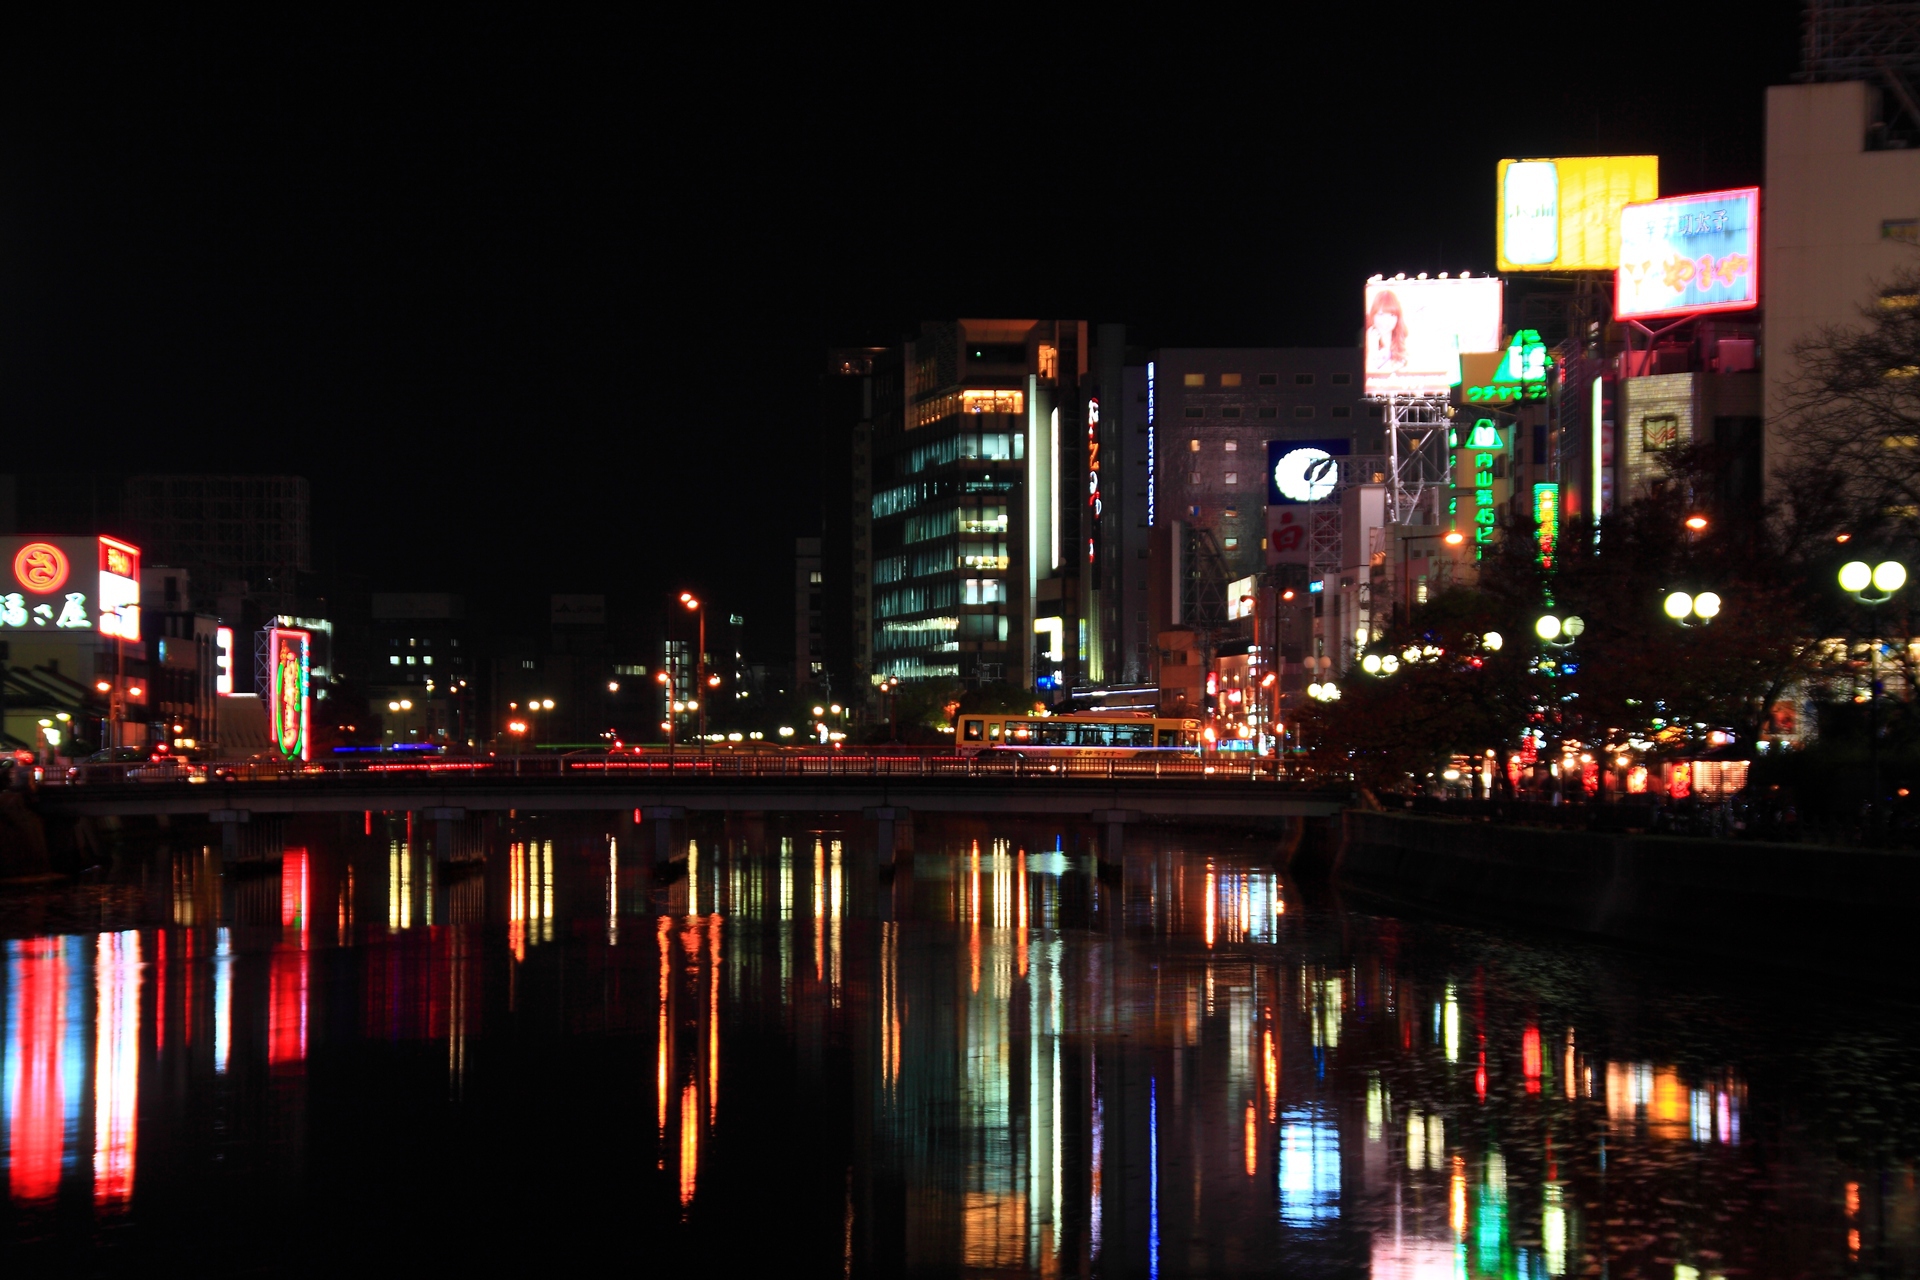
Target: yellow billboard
{"points": [[1564, 214]]}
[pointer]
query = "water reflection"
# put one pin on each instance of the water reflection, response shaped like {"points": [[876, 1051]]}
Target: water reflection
{"points": [[995, 1060]]}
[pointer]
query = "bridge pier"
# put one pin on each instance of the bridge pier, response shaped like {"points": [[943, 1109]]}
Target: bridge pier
{"points": [[229, 821], [1112, 849], [443, 832], [662, 817], [884, 817]]}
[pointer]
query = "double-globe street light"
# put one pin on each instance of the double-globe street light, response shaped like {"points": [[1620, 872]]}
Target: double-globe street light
{"points": [[1873, 586]]}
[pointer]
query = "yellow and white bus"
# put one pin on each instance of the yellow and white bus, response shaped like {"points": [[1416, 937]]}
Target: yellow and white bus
{"points": [[1075, 735]]}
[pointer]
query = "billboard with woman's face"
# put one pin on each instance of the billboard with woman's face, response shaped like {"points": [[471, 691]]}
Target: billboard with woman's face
{"points": [[1416, 330]]}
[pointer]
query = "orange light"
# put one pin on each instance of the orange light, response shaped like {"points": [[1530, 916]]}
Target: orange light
{"points": [[1454, 538], [713, 681], [689, 601], [102, 686], [136, 692], [1287, 594], [1696, 523], [1845, 537], [661, 676]]}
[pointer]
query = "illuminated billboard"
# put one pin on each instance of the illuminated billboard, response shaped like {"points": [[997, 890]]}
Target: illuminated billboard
{"points": [[289, 670], [1303, 470], [1504, 377], [119, 589], [70, 586], [1241, 595], [1416, 330], [1564, 214], [1689, 255], [223, 661]]}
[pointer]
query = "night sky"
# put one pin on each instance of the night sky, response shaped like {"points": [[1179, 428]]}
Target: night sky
{"points": [[541, 306]]}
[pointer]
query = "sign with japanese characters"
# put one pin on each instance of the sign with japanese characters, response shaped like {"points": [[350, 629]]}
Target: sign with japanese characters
{"points": [[1689, 255], [48, 584]]}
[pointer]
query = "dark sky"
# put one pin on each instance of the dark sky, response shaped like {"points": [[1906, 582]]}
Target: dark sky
{"points": [[539, 306]]}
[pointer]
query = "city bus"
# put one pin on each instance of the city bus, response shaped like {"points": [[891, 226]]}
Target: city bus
{"points": [[1075, 735]]}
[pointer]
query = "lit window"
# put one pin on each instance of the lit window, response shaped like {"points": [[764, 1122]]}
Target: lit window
{"points": [[1303, 411], [985, 591], [1194, 380], [814, 577], [1229, 379], [394, 658], [1193, 446], [1230, 543], [526, 664], [1232, 446], [1233, 477], [427, 661], [992, 401], [409, 659], [1302, 379], [1194, 479]]}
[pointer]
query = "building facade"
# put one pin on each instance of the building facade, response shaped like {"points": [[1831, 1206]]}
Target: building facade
{"points": [[978, 538]]}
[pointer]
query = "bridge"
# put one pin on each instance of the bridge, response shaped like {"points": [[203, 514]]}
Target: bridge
{"points": [[885, 789]]}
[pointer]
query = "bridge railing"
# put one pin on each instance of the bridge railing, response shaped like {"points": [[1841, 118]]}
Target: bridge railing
{"points": [[682, 767]]}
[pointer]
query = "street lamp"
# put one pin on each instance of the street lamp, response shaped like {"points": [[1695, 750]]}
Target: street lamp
{"points": [[1680, 606], [891, 687], [1557, 631], [1873, 587], [693, 605]]}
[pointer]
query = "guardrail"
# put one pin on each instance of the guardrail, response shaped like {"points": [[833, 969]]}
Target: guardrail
{"points": [[1001, 766]]}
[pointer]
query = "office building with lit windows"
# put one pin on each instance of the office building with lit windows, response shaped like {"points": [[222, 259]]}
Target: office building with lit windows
{"points": [[977, 540], [1213, 412]]}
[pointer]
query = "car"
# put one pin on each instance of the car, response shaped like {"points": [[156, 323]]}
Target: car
{"points": [[114, 763]]}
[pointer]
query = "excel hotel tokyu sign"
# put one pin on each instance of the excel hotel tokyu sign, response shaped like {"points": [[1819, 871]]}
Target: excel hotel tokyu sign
{"points": [[69, 586]]}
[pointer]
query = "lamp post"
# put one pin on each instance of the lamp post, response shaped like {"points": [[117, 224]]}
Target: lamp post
{"points": [[699, 661], [1691, 610], [891, 688], [1873, 587]]}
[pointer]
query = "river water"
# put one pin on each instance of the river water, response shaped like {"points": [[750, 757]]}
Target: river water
{"points": [[995, 1063]]}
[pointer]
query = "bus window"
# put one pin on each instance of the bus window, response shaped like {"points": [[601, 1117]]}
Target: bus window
{"points": [[1169, 737], [974, 730], [993, 730], [1016, 731]]}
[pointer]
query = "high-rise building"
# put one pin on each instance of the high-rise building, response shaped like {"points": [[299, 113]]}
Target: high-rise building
{"points": [[1842, 197], [809, 666], [975, 565], [227, 530], [1212, 414], [846, 517]]}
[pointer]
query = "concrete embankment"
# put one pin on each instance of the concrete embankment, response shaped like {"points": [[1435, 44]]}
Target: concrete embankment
{"points": [[1843, 912]]}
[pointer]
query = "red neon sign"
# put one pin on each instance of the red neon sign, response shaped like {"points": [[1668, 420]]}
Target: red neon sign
{"points": [[40, 567]]}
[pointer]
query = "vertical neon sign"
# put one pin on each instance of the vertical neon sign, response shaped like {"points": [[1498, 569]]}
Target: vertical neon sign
{"points": [[1546, 513], [1152, 453], [289, 669], [223, 661], [1093, 477]]}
